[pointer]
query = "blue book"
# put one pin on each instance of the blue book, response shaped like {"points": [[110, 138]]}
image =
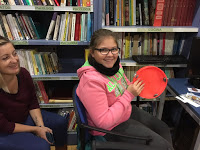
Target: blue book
{"points": [[38, 63], [88, 27]]}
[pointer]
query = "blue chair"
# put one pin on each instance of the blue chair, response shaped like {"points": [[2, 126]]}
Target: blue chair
{"points": [[88, 142]]}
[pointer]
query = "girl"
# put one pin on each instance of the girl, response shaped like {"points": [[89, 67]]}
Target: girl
{"points": [[106, 94]]}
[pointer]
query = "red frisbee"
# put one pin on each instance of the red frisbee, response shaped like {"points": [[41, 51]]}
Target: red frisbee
{"points": [[154, 79]]}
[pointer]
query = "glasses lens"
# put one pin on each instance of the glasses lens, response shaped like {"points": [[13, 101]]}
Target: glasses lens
{"points": [[115, 50], [104, 51]]}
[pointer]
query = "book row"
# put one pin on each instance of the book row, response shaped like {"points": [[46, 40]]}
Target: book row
{"points": [[167, 43], [70, 27], [38, 63], [81, 3], [130, 71], [69, 114], [149, 12], [62, 27], [17, 27]]}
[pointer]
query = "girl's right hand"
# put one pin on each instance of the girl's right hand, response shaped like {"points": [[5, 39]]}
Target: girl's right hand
{"points": [[136, 87]]}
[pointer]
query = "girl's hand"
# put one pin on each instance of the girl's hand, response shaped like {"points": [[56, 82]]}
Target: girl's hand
{"points": [[41, 132], [136, 87]]}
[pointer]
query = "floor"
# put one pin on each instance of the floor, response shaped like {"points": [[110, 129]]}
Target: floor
{"points": [[69, 147]]}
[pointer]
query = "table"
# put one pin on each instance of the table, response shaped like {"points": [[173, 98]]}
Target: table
{"points": [[177, 86]]}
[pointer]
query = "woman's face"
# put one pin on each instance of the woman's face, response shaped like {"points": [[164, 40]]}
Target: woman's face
{"points": [[108, 60], [9, 61]]}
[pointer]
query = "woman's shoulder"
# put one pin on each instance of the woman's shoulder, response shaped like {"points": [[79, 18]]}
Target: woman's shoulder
{"points": [[23, 72]]}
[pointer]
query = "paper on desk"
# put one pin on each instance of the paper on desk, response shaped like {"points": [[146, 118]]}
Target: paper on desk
{"points": [[195, 90], [190, 98]]}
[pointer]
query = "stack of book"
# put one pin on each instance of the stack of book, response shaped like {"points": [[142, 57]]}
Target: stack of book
{"points": [[165, 43], [82, 3], [70, 27], [17, 27], [149, 12], [38, 63]]}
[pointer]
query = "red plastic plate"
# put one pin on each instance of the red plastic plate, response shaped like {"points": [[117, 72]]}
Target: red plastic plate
{"points": [[155, 81]]}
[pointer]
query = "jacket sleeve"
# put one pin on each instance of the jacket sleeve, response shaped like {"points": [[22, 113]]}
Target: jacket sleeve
{"points": [[94, 98], [5, 125]]}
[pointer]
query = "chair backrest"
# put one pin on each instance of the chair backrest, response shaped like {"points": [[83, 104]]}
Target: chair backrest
{"points": [[80, 112]]}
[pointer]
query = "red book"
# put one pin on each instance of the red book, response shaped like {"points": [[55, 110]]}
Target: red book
{"points": [[159, 13], [191, 12], [179, 12], [186, 12], [77, 27], [56, 1], [166, 14], [173, 17], [182, 13], [43, 92], [171, 6]]}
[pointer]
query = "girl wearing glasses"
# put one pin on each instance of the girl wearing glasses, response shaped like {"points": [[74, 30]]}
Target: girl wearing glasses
{"points": [[106, 94], [22, 125]]}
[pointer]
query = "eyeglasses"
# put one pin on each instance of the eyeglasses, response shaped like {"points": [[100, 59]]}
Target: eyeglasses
{"points": [[105, 51]]}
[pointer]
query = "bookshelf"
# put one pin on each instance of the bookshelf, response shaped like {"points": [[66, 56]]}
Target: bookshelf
{"points": [[67, 49]]}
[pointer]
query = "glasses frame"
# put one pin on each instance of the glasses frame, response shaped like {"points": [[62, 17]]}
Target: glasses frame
{"points": [[109, 50]]}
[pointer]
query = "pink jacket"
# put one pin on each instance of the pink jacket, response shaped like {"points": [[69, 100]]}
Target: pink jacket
{"points": [[105, 98]]}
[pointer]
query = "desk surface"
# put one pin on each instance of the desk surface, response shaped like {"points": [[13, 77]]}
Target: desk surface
{"points": [[179, 86]]}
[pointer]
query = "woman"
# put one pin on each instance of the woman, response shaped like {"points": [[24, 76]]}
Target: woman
{"points": [[22, 125], [106, 94]]}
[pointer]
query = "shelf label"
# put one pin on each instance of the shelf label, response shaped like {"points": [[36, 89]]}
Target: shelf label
{"points": [[85, 9], [5, 7], [68, 43], [75, 78], [44, 8], [123, 63], [154, 30], [20, 42], [46, 78]]}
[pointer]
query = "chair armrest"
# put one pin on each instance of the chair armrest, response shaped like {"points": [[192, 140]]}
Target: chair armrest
{"points": [[148, 139]]}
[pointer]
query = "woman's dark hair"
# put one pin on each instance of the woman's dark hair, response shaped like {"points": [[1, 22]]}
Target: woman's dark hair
{"points": [[99, 35], [4, 41]]}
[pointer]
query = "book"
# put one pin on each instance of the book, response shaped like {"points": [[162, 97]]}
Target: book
{"points": [[159, 13], [53, 100], [9, 34], [43, 92], [73, 27], [51, 26], [66, 25], [77, 27], [55, 35]]}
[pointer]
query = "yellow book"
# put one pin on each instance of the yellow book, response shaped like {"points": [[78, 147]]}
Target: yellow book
{"points": [[127, 46], [65, 29], [48, 62], [118, 12], [52, 101], [35, 67]]}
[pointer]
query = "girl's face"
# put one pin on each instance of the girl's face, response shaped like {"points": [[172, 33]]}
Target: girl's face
{"points": [[107, 60], [9, 61]]}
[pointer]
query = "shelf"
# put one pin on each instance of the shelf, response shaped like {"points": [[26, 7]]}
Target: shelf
{"points": [[130, 62], [58, 76], [56, 105], [46, 8], [151, 29], [48, 42]]}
